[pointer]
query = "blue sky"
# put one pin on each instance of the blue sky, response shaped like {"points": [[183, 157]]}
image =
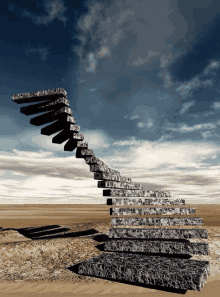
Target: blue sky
{"points": [[142, 79]]}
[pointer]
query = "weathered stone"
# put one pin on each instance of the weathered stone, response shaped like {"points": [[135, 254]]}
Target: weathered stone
{"points": [[57, 126], [72, 144], [102, 168], [157, 233], [39, 96], [65, 134], [51, 116], [134, 193], [151, 211], [83, 152], [153, 270], [144, 201], [112, 184], [113, 177], [161, 221], [94, 160], [45, 106], [161, 247]]}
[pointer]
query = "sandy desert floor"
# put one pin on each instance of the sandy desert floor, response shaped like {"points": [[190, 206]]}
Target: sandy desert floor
{"points": [[33, 267]]}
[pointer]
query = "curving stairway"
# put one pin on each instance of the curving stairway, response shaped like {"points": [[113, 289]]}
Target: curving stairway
{"points": [[150, 256]]}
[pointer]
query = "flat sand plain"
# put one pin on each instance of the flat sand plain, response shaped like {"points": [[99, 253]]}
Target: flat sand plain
{"points": [[40, 267]]}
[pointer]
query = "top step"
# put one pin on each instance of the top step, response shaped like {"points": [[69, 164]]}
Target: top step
{"points": [[39, 96]]}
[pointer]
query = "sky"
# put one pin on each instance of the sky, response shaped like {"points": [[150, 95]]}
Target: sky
{"points": [[142, 78]]}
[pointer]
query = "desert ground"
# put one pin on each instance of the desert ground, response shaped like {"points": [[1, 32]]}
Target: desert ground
{"points": [[41, 266]]}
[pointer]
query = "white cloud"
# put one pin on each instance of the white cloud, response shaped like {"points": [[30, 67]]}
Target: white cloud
{"points": [[55, 9], [41, 50], [216, 105], [186, 106], [184, 128]]}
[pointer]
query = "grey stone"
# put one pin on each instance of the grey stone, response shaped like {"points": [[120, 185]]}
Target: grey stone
{"points": [[93, 160], [44, 106], [57, 126], [157, 221], [151, 211], [122, 185], [154, 270], [157, 233], [52, 94], [144, 201], [150, 246], [83, 152], [111, 176], [51, 116], [102, 168]]}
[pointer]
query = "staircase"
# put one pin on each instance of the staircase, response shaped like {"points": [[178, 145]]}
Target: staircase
{"points": [[152, 256]]}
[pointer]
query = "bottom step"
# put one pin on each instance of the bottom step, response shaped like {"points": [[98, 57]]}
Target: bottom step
{"points": [[153, 270]]}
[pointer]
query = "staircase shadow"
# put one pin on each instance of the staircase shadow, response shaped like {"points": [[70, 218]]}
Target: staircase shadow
{"points": [[75, 269], [51, 232]]}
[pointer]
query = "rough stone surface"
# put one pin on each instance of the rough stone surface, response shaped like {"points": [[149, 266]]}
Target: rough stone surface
{"points": [[51, 116], [102, 168], [157, 233], [157, 221], [162, 247], [57, 126], [83, 144], [52, 94], [93, 160], [82, 152], [144, 201], [135, 193], [44, 106], [112, 184], [151, 211], [155, 270], [113, 177]]}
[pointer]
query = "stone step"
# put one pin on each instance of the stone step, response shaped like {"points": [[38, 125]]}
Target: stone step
{"points": [[72, 144], [134, 193], [151, 211], [152, 270], [82, 152], [102, 168], [57, 126], [144, 201], [156, 246], [51, 116], [157, 233], [112, 177], [93, 160], [120, 185], [65, 134], [45, 106], [39, 96], [161, 221]]}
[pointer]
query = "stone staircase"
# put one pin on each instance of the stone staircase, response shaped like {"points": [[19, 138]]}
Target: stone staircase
{"points": [[151, 256]]}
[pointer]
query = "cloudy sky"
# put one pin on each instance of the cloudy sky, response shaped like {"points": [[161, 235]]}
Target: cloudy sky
{"points": [[142, 79]]}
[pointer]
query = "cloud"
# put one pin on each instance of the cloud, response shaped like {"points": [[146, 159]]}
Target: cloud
{"points": [[41, 50], [186, 106], [184, 128], [55, 9]]}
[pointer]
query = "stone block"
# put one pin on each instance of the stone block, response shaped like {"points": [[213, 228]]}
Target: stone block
{"points": [[160, 221], [83, 152], [94, 160], [65, 134], [70, 145], [51, 116], [119, 185], [167, 272], [37, 96], [155, 246], [58, 126], [82, 144], [45, 106], [102, 168], [144, 201], [157, 233], [132, 193], [151, 211], [111, 176]]}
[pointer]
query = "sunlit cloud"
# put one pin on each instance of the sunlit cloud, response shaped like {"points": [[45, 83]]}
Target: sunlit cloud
{"points": [[186, 106]]}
